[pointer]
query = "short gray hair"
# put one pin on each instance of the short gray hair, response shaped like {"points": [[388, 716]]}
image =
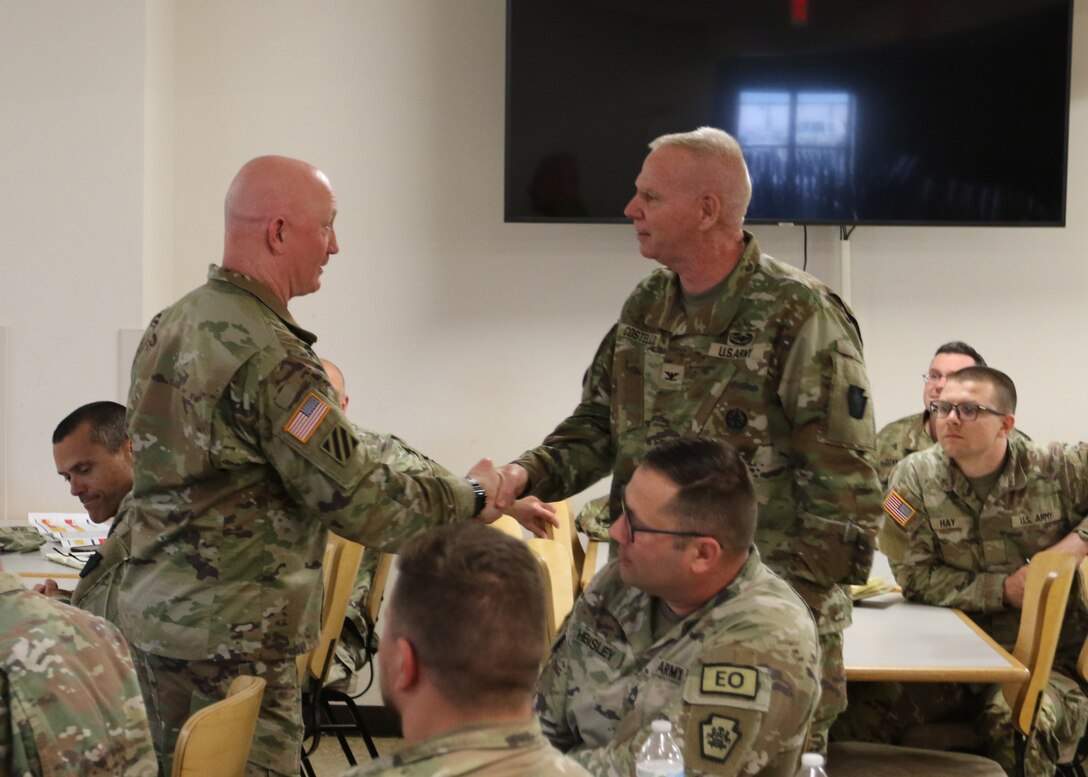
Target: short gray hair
{"points": [[713, 144]]}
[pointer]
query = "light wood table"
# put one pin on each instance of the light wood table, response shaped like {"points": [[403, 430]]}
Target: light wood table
{"points": [[895, 640]]}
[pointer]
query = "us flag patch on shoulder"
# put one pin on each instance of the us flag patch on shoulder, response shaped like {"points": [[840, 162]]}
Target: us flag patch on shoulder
{"points": [[305, 420], [897, 509]]}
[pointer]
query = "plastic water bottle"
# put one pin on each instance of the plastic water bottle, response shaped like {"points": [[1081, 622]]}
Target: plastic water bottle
{"points": [[660, 756], [812, 765]]}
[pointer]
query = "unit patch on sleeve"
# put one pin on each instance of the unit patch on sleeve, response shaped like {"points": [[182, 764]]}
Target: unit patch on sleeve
{"points": [[730, 680], [897, 509], [340, 444], [719, 735], [305, 420]]}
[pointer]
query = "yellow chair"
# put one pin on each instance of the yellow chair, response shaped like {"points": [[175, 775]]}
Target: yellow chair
{"points": [[509, 526], [339, 567], [567, 536], [216, 739], [558, 586], [594, 550], [1046, 595]]}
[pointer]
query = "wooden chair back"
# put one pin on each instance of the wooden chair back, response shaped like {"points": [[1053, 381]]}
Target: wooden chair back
{"points": [[216, 739], [558, 587], [1046, 595], [339, 567], [377, 586], [567, 536]]}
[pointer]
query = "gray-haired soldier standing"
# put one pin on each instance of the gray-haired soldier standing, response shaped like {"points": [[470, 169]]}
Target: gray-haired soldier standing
{"points": [[726, 342]]}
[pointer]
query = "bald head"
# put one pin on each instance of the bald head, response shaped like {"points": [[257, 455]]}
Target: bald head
{"points": [[279, 216], [336, 378]]}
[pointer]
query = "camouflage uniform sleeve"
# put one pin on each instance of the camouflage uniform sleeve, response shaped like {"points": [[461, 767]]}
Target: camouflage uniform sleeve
{"points": [[825, 394], [1073, 476], [551, 695], [6, 765], [580, 451], [911, 546], [325, 467]]}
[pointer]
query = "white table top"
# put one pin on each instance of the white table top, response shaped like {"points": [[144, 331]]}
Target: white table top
{"points": [[892, 639], [33, 568]]}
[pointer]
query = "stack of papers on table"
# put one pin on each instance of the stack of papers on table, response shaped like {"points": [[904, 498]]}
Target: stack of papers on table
{"points": [[70, 530], [875, 587]]}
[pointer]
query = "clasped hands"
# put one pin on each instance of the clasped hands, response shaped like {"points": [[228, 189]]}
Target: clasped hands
{"points": [[502, 485]]}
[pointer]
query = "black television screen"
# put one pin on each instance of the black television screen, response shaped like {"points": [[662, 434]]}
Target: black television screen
{"points": [[849, 111]]}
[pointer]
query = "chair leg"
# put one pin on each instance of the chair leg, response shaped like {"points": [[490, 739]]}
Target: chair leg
{"points": [[335, 728], [358, 717]]}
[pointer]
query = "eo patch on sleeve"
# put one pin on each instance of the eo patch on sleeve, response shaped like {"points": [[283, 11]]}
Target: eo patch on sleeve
{"points": [[307, 417]]}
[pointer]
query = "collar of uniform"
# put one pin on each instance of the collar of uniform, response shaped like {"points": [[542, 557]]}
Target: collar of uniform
{"points": [[264, 294], [666, 311], [1013, 472], [9, 582], [629, 601], [478, 737], [918, 438]]}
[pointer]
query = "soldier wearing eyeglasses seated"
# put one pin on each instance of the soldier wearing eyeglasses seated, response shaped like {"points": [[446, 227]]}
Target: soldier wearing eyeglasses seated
{"points": [[686, 624], [964, 519], [916, 432]]}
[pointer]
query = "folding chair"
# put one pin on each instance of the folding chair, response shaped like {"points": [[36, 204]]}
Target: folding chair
{"points": [[558, 586], [340, 564]]}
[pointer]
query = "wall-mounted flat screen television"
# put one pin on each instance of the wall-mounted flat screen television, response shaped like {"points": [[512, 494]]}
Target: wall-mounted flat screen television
{"points": [[849, 111]]}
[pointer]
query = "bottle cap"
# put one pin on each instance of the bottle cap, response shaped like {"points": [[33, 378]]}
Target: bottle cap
{"points": [[812, 759], [661, 726]]}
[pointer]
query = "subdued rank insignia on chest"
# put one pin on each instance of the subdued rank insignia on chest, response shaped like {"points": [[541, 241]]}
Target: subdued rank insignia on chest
{"points": [[307, 417], [856, 401], [736, 419], [719, 735], [340, 444], [730, 680], [672, 374], [898, 509]]}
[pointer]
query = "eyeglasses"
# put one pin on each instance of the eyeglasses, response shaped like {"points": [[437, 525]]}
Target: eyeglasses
{"points": [[932, 377], [967, 412], [632, 528]]}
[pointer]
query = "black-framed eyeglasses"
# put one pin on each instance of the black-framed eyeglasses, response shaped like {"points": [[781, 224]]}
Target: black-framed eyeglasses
{"points": [[632, 528], [966, 412]]}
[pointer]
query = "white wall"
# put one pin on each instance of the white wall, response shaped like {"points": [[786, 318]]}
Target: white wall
{"points": [[71, 151], [465, 335]]}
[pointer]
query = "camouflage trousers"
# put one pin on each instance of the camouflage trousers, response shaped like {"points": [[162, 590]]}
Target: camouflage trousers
{"points": [[884, 712], [833, 691], [174, 689]]}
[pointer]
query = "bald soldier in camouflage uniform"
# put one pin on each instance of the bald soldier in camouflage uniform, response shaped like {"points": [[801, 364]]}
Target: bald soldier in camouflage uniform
{"points": [[243, 464], [686, 624], [965, 518], [465, 702], [728, 342], [70, 700]]}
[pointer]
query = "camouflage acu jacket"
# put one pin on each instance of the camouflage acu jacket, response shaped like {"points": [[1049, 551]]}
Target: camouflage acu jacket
{"points": [[70, 700], [243, 461], [513, 750], [739, 678], [100, 579], [775, 368], [948, 548], [898, 440]]}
